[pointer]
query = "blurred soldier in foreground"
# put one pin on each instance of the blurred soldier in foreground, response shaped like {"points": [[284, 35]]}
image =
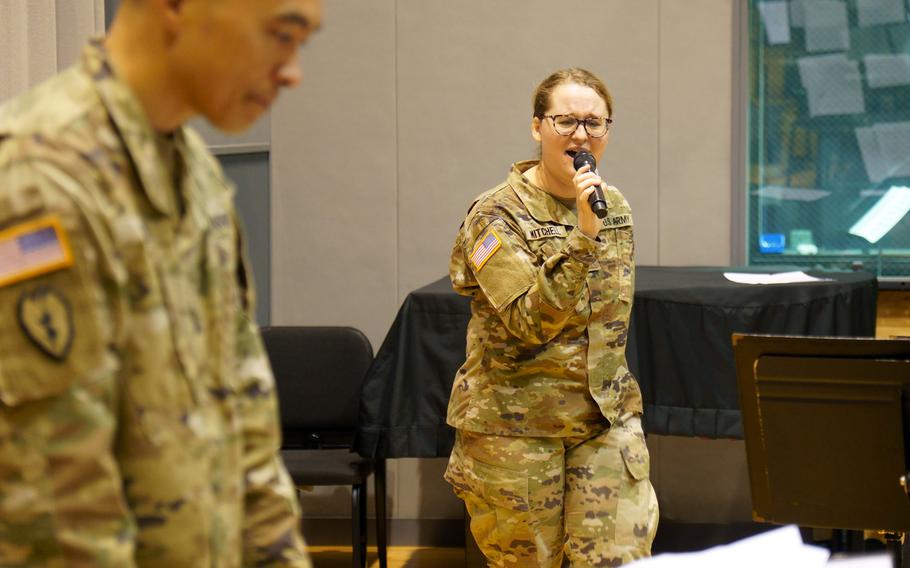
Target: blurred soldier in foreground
{"points": [[138, 422]]}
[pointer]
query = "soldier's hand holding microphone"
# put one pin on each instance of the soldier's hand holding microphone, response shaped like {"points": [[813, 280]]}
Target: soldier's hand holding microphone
{"points": [[589, 197]]}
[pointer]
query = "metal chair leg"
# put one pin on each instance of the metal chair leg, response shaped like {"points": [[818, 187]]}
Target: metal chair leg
{"points": [[364, 527], [381, 519], [358, 534]]}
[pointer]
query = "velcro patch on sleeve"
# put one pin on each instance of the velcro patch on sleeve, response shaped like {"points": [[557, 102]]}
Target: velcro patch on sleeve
{"points": [[33, 248], [485, 249]]}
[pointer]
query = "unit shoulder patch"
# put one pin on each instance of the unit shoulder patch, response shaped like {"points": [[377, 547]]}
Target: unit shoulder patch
{"points": [[46, 317]]}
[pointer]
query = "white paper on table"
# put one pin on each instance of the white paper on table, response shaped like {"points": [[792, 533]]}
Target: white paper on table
{"points": [[894, 143], [877, 12], [771, 277], [776, 21], [887, 70], [833, 84], [826, 25], [780, 548], [865, 561], [884, 215], [790, 193]]}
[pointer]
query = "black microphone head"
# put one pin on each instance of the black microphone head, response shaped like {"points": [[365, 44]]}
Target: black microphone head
{"points": [[583, 158]]}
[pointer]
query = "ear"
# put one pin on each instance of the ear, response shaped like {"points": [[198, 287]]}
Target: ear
{"points": [[535, 129], [170, 12]]}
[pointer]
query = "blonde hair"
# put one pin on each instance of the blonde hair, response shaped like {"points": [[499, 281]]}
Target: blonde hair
{"points": [[577, 75]]}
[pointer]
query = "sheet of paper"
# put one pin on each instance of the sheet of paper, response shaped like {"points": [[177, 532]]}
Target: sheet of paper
{"points": [[775, 17], [894, 143], [833, 84], [771, 277], [886, 70], [885, 149], [780, 548], [876, 164], [865, 561], [790, 193], [877, 12], [884, 215], [826, 25]]}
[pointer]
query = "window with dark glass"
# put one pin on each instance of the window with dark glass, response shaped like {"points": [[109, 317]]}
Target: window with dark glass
{"points": [[829, 134]]}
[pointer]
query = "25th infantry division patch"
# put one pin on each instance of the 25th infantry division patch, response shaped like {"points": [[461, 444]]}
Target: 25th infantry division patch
{"points": [[47, 320]]}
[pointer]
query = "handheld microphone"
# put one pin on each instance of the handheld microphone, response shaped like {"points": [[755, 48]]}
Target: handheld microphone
{"points": [[596, 200]]}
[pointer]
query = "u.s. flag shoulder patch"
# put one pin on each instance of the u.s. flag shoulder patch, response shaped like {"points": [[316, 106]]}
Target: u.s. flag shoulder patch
{"points": [[33, 248], [484, 249]]}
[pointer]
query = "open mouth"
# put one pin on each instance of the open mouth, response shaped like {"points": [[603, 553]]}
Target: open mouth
{"points": [[572, 153]]}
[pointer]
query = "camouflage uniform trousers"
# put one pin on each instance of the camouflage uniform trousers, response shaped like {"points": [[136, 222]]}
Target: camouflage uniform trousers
{"points": [[534, 500]]}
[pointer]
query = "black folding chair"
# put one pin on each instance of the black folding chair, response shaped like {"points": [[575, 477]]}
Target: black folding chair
{"points": [[319, 372]]}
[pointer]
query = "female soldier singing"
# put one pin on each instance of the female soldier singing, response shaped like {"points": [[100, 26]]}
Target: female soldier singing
{"points": [[550, 458]]}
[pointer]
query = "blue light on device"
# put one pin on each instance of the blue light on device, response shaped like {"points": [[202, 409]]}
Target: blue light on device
{"points": [[772, 243]]}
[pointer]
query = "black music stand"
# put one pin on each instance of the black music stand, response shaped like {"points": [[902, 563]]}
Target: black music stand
{"points": [[825, 426]]}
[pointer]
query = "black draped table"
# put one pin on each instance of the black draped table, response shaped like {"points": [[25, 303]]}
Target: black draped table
{"points": [[679, 349]]}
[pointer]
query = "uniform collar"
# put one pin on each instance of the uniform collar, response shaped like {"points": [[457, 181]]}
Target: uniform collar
{"points": [[542, 206], [134, 127]]}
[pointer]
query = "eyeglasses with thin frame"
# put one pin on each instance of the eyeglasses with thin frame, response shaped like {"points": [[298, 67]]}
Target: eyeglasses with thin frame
{"points": [[566, 124]]}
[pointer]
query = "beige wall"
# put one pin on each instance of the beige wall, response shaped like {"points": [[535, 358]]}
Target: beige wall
{"points": [[376, 158], [410, 108], [40, 37]]}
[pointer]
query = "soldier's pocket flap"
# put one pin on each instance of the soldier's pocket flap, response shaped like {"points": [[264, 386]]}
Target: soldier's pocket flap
{"points": [[635, 456]]}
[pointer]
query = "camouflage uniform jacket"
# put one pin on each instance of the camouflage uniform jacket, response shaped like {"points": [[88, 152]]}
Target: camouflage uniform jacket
{"points": [[549, 316], [138, 420]]}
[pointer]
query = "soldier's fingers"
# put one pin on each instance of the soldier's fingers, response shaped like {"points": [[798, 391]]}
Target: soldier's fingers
{"points": [[588, 181], [586, 193], [581, 176]]}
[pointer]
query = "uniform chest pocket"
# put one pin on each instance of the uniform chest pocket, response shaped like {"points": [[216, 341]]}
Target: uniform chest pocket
{"points": [[162, 359], [182, 352], [159, 376], [223, 299]]}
